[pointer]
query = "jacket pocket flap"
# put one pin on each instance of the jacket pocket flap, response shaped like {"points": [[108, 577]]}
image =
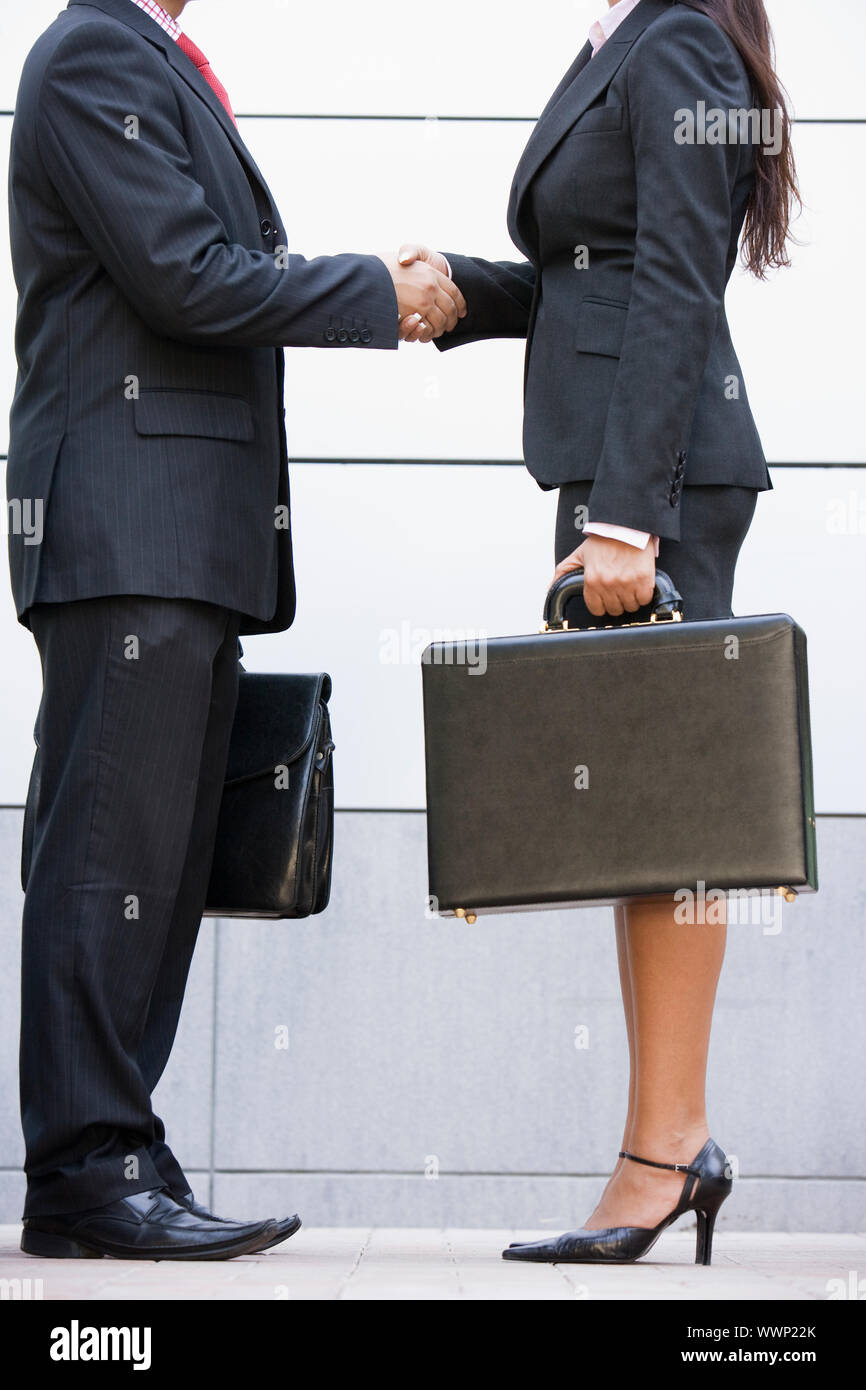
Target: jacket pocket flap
{"points": [[599, 118], [208, 414], [601, 327], [276, 720]]}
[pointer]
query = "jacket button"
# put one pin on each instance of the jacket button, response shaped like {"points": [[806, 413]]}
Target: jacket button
{"points": [[366, 335], [330, 335], [343, 336], [355, 336], [267, 227]]}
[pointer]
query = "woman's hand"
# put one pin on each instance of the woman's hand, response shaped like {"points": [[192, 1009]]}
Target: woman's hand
{"points": [[413, 328], [618, 578], [425, 293]]}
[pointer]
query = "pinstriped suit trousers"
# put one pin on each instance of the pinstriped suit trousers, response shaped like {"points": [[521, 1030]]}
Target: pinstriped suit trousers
{"points": [[133, 732]]}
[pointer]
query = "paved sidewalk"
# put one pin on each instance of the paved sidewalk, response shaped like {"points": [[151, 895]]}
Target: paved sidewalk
{"points": [[458, 1264]]}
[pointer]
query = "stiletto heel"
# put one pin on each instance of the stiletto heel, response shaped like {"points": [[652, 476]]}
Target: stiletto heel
{"points": [[707, 1185], [704, 1249], [706, 1221]]}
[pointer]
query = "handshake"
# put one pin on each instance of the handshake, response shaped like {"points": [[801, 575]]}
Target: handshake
{"points": [[428, 301]]}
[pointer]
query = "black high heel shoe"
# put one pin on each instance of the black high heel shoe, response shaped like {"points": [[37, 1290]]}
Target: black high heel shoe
{"points": [[625, 1244]]}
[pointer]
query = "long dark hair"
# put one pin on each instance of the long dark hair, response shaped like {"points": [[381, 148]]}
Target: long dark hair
{"points": [[767, 228]]}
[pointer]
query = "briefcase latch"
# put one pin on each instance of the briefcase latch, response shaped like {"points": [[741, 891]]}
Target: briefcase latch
{"points": [[654, 620]]}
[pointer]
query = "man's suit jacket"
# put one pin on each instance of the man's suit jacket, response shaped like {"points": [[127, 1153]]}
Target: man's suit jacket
{"points": [[631, 375], [148, 417]]}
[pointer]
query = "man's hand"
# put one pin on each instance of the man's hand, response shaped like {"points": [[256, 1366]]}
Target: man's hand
{"points": [[414, 328], [618, 578], [425, 295]]}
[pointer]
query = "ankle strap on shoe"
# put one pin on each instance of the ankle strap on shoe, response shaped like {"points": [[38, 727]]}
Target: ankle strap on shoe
{"points": [[671, 1167]]}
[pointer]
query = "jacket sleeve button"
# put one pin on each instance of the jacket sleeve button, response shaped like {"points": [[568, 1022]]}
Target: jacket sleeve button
{"points": [[366, 335], [267, 226], [330, 335], [343, 336]]}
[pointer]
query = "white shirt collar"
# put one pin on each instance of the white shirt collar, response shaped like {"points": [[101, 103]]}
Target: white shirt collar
{"points": [[611, 20]]}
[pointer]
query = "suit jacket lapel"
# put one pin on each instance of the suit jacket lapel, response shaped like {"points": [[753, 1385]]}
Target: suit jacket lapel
{"points": [[187, 69], [577, 66], [584, 81], [134, 18]]}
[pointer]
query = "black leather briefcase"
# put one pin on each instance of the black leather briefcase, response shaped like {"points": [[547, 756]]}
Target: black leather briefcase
{"points": [[590, 766], [274, 845]]}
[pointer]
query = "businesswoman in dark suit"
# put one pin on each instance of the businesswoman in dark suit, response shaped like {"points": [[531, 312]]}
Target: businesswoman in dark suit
{"points": [[630, 213]]}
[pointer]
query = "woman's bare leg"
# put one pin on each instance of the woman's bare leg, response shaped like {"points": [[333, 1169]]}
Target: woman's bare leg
{"points": [[625, 989], [672, 971], [628, 1009]]}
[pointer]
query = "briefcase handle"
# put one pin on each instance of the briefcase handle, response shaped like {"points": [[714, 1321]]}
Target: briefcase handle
{"points": [[667, 602]]}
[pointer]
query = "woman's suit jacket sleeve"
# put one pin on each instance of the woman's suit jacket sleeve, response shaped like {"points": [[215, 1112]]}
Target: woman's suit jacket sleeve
{"points": [[498, 295], [684, 209]]}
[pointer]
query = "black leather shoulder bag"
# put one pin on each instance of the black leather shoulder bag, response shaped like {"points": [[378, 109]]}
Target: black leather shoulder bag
{"points": [[274, 845]]}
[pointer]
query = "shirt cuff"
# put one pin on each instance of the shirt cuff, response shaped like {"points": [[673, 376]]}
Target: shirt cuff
{"points": [[448, 266], [627, 534]]}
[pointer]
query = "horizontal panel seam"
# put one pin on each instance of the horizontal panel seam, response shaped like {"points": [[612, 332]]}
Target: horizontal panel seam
{"points": [[852, 1179], [373, 462], [453, 119], [421, 811]]}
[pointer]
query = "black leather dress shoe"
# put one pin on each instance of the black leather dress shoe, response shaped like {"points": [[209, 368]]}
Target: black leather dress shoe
{"points": [[282, 1229], [144, 1226]]}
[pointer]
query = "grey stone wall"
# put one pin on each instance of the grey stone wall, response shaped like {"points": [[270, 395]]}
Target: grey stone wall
{"points": [[417, 1047]]}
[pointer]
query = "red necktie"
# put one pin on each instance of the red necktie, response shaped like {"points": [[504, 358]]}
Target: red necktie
{"points": [[193, 52]]}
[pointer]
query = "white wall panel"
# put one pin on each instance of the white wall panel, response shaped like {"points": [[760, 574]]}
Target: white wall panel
{"points": [[470, 549], [21, 689], [819, 56], [368, 185], [8, 299], [386, 57], [799, 333], [388, 555]]}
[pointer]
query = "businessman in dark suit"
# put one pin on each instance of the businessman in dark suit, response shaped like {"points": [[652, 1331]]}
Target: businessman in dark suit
{"points": [[147, 434]]}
